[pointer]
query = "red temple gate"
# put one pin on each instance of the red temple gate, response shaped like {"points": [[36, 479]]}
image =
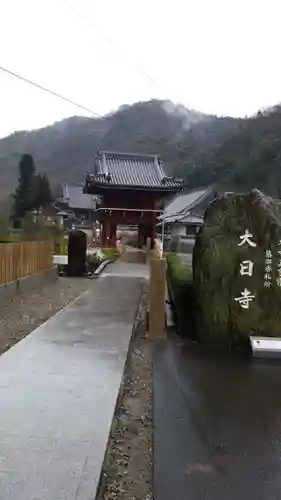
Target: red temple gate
{"points": [[131, 189]]}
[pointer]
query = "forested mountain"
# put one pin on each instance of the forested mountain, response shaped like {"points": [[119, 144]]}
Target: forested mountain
{"points": [[203, 149], [66, 150], [248, 157]]}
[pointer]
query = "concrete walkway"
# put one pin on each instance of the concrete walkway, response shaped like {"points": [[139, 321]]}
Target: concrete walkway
{"points": [[127, 270], [58, 390]]}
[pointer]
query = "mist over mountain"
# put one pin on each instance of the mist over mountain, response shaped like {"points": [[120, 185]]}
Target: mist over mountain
{"points": [[203, 149]]}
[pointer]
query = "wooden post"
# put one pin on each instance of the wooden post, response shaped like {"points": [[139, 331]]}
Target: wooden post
{"points": [[157, 297]]}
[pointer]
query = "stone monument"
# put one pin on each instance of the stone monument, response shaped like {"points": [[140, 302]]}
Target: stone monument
{"points": [[237, 269], [77, 249]]}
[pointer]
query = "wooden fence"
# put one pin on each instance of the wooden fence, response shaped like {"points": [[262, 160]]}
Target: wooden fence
{"points": [[18, 260]]}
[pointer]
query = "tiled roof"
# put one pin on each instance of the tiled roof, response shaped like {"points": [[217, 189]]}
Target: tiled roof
{"points": [[191, 219], [131, 170], [74, 197], [186, 218], [184, 203]]}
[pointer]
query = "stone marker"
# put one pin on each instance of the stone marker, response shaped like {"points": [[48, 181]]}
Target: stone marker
{"points": [[237, 269], [77, 249]]}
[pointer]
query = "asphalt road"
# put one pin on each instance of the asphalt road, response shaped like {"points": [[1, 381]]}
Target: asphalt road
{"points": [[217, 426]]}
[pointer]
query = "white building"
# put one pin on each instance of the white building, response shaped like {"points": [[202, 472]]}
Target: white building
{"points": [[184, 214]]}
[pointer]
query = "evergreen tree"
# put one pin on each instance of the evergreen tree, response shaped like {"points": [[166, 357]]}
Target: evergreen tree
{"points": [[23, 196], [41, 191]]}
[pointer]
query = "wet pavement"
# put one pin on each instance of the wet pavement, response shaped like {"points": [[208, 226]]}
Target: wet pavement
{"points": [[217, 425], [58, 391], [127, 270]]}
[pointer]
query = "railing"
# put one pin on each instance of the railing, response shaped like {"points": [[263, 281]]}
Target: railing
{"points": [[18, 260]]}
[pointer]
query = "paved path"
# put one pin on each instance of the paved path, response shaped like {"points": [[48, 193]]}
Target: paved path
{"points": [[58, 390], [126, 270], [217, 426]]}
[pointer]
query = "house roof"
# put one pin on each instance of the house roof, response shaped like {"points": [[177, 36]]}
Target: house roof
{"points": [[186, 218], [74, 197], [183, 203], [130, 170], [191, 219]]}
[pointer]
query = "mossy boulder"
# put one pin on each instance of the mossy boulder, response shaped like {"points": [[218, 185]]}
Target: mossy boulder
{"points": [[237, 282]]}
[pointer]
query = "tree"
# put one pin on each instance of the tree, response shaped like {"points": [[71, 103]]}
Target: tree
{"points": [[23, 196], [41, 191], [33, 191]]}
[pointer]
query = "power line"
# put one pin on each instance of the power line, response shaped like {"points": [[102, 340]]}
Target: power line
{"points": [[41, 87], [93, 27], [74, 103], [165, 90]]}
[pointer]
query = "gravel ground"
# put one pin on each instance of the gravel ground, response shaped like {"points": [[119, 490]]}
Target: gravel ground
{"points": [[22, 314], [128, 466]]}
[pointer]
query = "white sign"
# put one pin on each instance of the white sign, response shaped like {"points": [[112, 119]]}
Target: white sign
{"points": [[278, 278], [245, 298], [268, 254], [267, 269], [247, 238], [246, 267]]}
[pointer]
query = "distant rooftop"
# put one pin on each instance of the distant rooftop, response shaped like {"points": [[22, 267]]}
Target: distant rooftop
{"points": [[184, 203], [74, 197], [131, 170]]}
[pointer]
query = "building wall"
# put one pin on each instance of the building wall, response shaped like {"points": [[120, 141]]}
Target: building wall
{"points": [[128, 218], [127, 202], [178, 230], [184, 229], [129, 199], [192, 229]]}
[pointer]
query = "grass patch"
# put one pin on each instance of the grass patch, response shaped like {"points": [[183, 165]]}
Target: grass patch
{"points": [[110, 253], [99, 256]]}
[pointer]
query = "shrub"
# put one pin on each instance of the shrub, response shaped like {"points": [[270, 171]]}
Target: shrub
{"points": [[4, 230], [110, 253], [180, 284], [95, 257]]}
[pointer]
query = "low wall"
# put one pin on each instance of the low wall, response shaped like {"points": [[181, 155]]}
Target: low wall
{"points": [[28, 283]]}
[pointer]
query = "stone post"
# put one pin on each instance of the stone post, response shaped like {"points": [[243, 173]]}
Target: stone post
{"points": [[157, 297], [105, 235], [148, 244], [141, 236], [113, 229]]}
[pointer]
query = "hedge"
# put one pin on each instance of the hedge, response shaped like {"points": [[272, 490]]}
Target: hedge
{"points": [[110, 253], [180, 284]]}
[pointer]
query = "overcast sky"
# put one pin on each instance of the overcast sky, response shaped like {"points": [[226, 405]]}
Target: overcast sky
{"points": [[216, 56]]}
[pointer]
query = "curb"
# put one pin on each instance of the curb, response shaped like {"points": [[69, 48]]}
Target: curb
{"points": [[101, 267]]}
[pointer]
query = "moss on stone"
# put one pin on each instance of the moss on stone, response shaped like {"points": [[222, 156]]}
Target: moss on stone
{"points": [[216, 269]]}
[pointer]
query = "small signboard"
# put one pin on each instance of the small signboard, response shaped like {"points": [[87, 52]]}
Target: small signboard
{"points": [[60, 260], [266, 347]]}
